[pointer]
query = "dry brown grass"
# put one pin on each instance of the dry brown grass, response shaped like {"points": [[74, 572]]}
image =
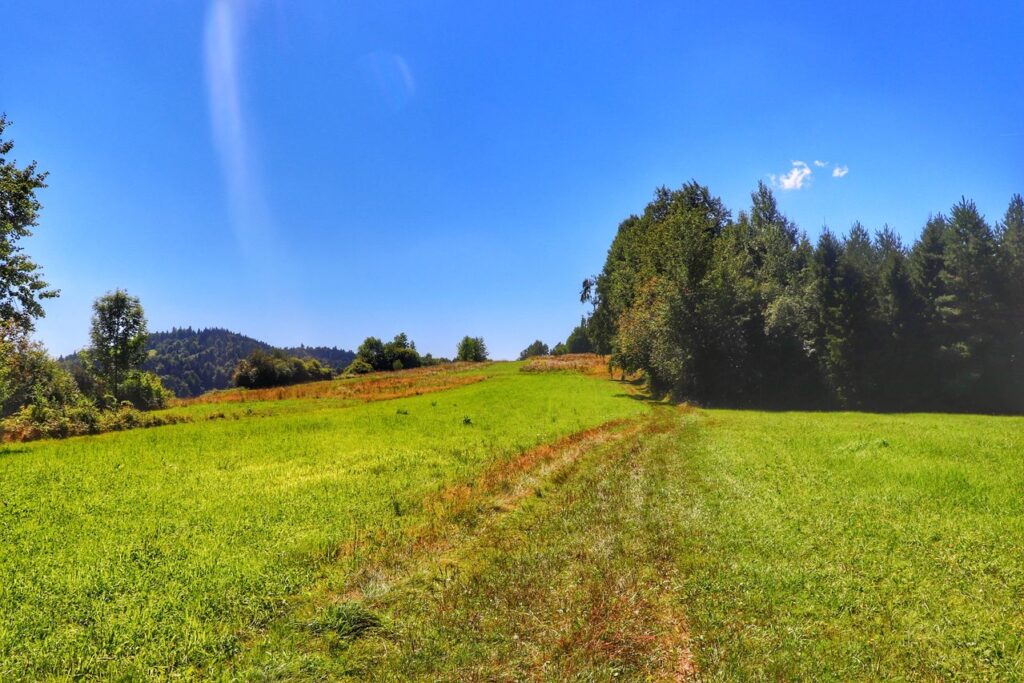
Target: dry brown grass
{"points": [[586, 363], [377, 386]]}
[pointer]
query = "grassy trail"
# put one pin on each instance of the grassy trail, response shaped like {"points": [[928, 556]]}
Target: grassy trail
{"points": [[720, 545], [557, 566]]}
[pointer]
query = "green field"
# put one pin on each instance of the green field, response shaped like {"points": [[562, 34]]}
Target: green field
{"points": [[460, 535]]}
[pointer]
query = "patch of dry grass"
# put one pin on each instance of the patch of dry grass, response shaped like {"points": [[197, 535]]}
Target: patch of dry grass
{"points": [[378, 386], [586, 363]]}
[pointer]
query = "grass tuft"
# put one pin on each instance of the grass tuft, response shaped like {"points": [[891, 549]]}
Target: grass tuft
{"points": [[347, 620]]}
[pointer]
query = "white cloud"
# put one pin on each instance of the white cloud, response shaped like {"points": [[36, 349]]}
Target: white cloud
{"points": [[795, 179], [820, 164], [840, 171], [221, 55]]}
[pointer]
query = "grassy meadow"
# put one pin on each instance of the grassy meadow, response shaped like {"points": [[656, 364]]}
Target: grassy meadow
{"points": [[161, 551], [541, 525]]}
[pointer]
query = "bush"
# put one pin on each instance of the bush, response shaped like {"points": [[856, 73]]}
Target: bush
{"points": [[275, 369], [28, 375], [43, 419], [358, 367], [127, 417], [398, 354], [144, 391]]}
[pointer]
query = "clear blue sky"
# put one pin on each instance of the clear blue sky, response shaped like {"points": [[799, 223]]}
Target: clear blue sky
{"points": [[320, 171]]}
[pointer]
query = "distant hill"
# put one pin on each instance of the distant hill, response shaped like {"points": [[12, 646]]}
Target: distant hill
{"points": [[191, 362]]}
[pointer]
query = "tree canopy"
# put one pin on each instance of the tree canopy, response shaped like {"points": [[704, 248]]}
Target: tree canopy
{"points": [[118, 334], [22, 287], [537, 348], [471, 349], [747, 311]]}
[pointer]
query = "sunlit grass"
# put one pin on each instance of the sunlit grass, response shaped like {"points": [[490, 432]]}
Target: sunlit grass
{"points": [[466, 533], [853, 546], [160, 551]]}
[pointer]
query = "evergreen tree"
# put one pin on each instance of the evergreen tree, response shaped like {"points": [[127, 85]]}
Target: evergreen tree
{"points": [[1011, 250]]}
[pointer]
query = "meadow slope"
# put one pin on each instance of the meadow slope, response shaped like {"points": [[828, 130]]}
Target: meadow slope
{"points": [[523, 526], [160, 551]]}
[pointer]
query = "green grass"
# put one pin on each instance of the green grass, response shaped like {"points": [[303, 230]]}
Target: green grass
{"points": [[576, 582], [747, 545], [162, 551], [852, 546], [325, 539]]}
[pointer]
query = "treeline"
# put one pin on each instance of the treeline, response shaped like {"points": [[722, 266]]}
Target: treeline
{"points": [[578, 341], [749, 312], [276, 368], [374, 355]]}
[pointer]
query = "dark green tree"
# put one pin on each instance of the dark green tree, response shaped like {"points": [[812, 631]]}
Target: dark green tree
{"points": [[537, 348], [471, 349], [1011, 251], [969, 308], [397, 354]]}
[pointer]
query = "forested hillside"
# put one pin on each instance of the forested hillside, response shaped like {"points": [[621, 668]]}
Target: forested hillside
{"points": [[190, 362]]}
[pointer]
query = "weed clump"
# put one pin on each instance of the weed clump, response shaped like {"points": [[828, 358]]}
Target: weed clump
{"points": [[347, 620]]}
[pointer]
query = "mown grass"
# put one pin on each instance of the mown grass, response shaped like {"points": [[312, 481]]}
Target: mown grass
{"points": [[855, 547], [163, 552], [575, 581], [718, 545]]}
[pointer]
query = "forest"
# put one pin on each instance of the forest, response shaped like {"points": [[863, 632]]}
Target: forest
{"points": [[749, 312], [191, 362]]}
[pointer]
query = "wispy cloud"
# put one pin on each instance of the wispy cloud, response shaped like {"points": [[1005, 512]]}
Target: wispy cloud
{"points": [[390, 76], [797, 177], [840, 171], [225, 20], [820, 164]]}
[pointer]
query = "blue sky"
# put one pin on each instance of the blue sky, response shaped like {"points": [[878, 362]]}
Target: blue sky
{"points": [[318, 171]]}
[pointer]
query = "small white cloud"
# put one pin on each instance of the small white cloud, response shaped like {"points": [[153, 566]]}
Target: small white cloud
{"points": [[820, 164], [795, 179], [840, 171]]}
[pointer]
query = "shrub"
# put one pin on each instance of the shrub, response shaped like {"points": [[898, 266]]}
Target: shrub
{"points": [[43, 419], [358, 367], [275, 369], [144, 391]]}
